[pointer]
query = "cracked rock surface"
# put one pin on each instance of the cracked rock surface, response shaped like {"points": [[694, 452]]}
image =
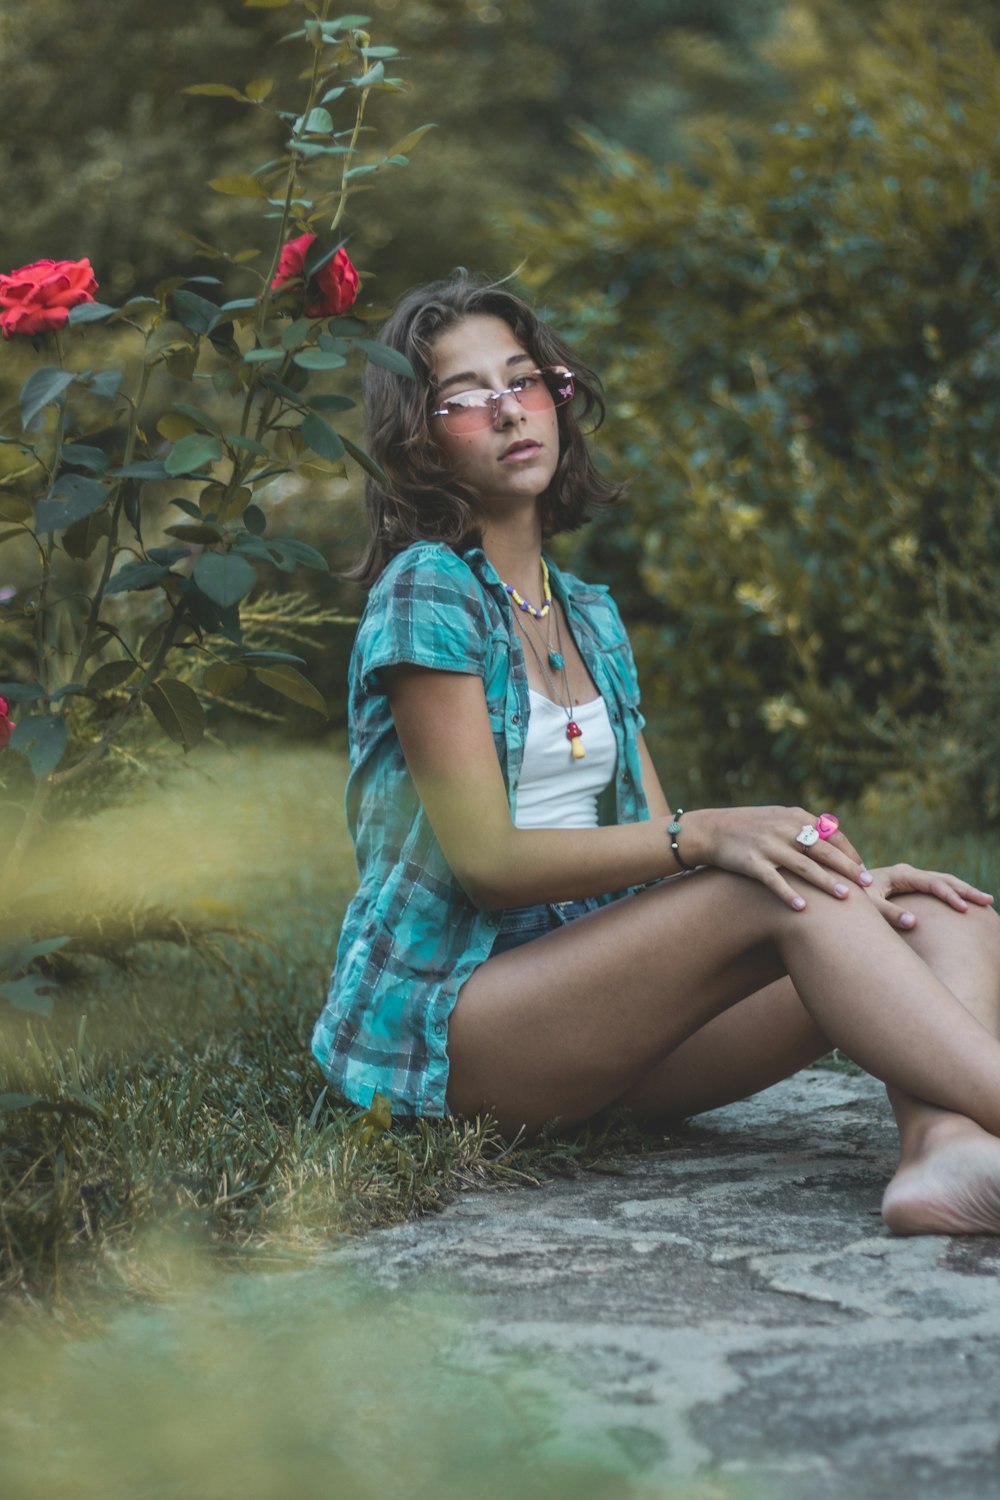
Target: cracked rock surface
{"points": [[733, 1310]]}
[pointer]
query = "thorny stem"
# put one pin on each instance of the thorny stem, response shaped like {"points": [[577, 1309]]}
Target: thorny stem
{"points": [[111, 551]]}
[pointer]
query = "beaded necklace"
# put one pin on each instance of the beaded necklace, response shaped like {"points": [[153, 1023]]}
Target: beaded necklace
{"points": [[556, 658]]}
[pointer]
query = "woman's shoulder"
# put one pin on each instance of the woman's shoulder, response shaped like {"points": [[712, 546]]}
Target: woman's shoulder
{"points": [[426, 563]]}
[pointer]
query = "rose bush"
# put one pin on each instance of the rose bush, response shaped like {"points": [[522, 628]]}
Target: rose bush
{"points": [[330, 290], [129, 616], [37, 298]]}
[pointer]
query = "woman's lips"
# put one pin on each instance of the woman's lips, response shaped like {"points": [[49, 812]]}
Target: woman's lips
{"points": [[520, 450]]}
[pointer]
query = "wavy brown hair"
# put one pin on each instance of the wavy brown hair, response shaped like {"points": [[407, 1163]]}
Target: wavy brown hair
{"points": [[422, 500]]}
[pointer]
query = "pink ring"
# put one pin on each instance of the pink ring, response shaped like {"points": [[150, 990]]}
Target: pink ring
{"points": [[827, 825]]}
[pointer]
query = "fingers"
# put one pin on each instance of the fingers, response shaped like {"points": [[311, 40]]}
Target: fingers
{"points": [[901, 880], [839, 854]]}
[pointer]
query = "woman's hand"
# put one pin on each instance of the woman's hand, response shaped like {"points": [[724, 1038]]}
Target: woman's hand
{"points": [[760, 842], [899, 880]]}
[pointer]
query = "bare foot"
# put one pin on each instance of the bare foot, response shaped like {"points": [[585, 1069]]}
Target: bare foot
{"points": [[951, 1186]]}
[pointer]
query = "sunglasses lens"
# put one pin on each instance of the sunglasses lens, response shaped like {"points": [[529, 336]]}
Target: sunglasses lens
{"points": [[469, 415], [474, 410]]}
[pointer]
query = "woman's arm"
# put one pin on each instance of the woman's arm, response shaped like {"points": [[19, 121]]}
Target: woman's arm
{"points": [[444, 730]]}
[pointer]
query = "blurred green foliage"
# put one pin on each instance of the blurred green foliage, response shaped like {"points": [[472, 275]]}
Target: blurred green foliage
{"points": [[123, 161], [779, 245], [800, 333]]}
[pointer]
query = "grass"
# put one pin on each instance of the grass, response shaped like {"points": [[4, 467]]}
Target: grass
{"points": [[178, 1094]]}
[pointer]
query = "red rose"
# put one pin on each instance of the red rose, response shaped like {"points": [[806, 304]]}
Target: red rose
{"points": [[7, 726], [333, 290], [38, 297]]}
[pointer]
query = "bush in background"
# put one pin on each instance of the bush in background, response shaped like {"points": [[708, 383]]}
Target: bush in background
{"points": [[801, 339]]}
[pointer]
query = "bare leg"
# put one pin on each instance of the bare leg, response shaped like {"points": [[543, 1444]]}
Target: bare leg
{"points": [[576, 1019], [948, 1181]]}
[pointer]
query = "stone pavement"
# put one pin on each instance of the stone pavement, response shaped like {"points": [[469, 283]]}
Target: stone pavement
{"points": [[732, 1310]]}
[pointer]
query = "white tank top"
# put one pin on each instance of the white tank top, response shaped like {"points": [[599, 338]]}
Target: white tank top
{"points": [[556, 791]]}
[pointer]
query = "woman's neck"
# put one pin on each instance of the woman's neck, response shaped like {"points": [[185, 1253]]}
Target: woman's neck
{"points": [[515, 550]]}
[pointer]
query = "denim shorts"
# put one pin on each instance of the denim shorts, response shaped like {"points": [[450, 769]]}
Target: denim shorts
{"points": [[521, 924]]}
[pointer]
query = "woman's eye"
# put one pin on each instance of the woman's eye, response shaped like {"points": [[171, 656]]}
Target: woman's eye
{"points": [[524, 382]]}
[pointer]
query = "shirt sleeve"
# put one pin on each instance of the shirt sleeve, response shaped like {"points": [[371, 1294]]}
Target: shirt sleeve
{"points": [[426, 610]]}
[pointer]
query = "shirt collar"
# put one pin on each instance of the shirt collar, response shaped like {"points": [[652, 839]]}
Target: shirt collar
{"points": [[567, 589]]}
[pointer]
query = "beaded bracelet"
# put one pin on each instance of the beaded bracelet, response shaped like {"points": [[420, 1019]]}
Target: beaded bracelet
{"points": [[674, 828]]}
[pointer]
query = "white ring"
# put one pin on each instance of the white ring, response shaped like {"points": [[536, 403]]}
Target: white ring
{"points": [[808, 835]]}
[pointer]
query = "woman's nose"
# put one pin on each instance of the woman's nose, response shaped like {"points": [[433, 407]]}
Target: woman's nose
{"points": [[506, 409]]}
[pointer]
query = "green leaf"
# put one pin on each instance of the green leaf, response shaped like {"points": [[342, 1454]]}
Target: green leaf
{"points": [[332, 94], [223, 678], [266, 658], [406, 145], [318, 359], [148, 468], [238, 185], [198, 414], [22, 692], [90, 312], [322, 438], [40, 389], [388, 359], [111, 675], [195, 312], [73, 497], [266, 4], [224, 577], [17, 955], [318, 123], [215, 90], [193, 453], [195, 531], [291, 684], [263, 356], [135, 575], [331, 403], [41, 738], [103, 383], [368, 464], [248, 445], [296, 333], [82, 456], [258, 89], [255, 520], [176, 709], [370, 79], [293, 553], [11, 1102], [189, 508], [80, 539], [30, 993], [346, 23]]}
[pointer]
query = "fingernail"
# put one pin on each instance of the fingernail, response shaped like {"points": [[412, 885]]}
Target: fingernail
{"points": [[907, 919], [864, 878], [798, 903], [840, 889]]}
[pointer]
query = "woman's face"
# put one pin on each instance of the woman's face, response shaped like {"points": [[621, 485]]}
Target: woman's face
{"points": [[510, 462]]}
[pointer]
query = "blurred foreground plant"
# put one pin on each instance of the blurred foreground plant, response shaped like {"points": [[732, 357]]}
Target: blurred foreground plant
{"points": [[123, 624]]}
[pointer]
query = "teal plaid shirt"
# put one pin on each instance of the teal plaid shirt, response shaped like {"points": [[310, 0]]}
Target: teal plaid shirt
{"points": [[411, 936]]}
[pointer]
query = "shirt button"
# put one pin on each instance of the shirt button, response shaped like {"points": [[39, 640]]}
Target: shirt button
{"points": [[515, 718], [626, 777], [617, 716], [440, 1028]]}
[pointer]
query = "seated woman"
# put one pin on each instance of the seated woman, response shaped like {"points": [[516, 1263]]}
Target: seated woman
{"points": [[536, 933]]}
